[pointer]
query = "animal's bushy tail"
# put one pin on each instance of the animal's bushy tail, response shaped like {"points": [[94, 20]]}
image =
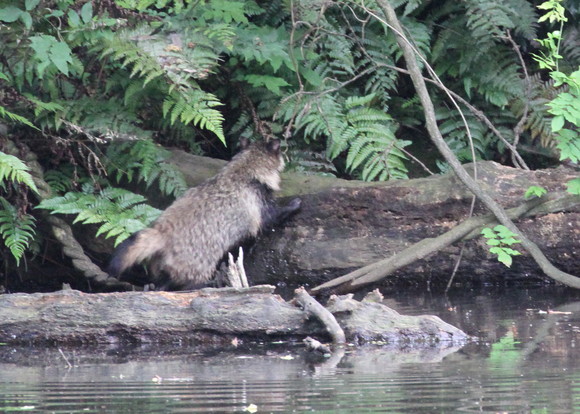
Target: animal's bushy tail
{"points": [[135, 249]]}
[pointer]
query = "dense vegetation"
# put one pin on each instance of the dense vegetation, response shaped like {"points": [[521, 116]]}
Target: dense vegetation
{"points": [[93, 91]]}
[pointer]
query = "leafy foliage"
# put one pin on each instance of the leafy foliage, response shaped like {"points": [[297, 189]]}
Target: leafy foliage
{"points": [[98, 88], [535, 191], [119, 212], [16, 228], [12, 169], [145, 160], [566, 105], [500, 238]]}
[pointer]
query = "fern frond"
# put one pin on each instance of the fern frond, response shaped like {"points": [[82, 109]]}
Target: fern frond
{"points": [[17, 229], [121, 212], [6, 114], [13, 169], [195, 107], [147, 160]]}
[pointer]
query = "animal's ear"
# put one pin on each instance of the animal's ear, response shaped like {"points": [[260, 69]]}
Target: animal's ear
{"points": [[274, 145], [244, 143]]}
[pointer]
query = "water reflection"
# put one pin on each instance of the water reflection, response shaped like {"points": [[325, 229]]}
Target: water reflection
{"points": [[526, 362]]}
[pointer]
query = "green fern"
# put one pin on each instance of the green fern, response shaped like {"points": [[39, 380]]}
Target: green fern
{"points": [[374, 145], [60, 181], [195, 107], [6, 114], [120, 212], [365, 132], [147, 160], [14, 170], [163, 58], [16, 228]]}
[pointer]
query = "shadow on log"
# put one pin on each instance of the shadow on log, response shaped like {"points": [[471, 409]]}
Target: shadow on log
{"points": [[210, 317]]}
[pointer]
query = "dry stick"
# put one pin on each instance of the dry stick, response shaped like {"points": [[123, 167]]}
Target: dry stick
{"points": [[312, 307], [69, 365], [467, 229], [431, 124], [520, 125]]}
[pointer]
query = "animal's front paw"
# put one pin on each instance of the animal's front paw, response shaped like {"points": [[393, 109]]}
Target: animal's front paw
{"points": [[294, 204]]}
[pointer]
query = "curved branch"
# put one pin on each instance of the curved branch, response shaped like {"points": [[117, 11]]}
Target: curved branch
{"points": [[431, 123], [468, 229]]}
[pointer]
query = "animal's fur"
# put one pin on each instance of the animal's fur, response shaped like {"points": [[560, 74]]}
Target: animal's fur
{"points": [[188, 240]]}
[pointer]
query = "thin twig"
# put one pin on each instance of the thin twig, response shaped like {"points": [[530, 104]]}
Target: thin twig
{"points": [[520, 125], [65, 358]]}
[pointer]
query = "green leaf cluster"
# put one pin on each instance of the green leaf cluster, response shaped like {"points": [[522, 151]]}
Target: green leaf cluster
{"points": [[119, 212], [535, 191], [565, 106], [500, 238]]}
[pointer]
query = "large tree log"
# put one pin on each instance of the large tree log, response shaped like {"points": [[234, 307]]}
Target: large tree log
{"points": [[207, 316], [344, 225]]}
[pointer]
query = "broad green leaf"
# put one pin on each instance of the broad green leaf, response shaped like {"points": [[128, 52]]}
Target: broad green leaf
{"points": [[41, 45], [557, 123], [73, 18], [10, 14], [26, 19], [87, 12], [60, 55], [504, 258], [31, 4]]}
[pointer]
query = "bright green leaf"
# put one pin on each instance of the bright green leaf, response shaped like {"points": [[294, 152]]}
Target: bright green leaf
{"points": [[573, 186], [10, 14], [31, 4], [73, 18], [557, 123], [26, 19], [535, 191], [87, 12]]}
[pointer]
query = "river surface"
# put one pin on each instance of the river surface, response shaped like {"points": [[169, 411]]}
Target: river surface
{"points": [[526, 360]]}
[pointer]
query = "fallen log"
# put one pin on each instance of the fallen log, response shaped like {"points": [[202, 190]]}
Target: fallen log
{"points": [[341, 229], [208, 317], [346, 225]]}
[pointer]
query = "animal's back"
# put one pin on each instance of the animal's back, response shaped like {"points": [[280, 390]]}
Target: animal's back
{"points": [[203, 225]]}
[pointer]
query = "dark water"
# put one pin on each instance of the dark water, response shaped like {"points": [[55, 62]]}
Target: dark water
{"points": [[526, 361]]}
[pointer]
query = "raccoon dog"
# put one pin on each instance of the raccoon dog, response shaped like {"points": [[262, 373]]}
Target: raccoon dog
{"points": [[186, 243]]}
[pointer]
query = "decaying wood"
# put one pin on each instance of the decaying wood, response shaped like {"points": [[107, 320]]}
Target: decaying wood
{"points": [[466, 230], [207, 316], [342, 229]]}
